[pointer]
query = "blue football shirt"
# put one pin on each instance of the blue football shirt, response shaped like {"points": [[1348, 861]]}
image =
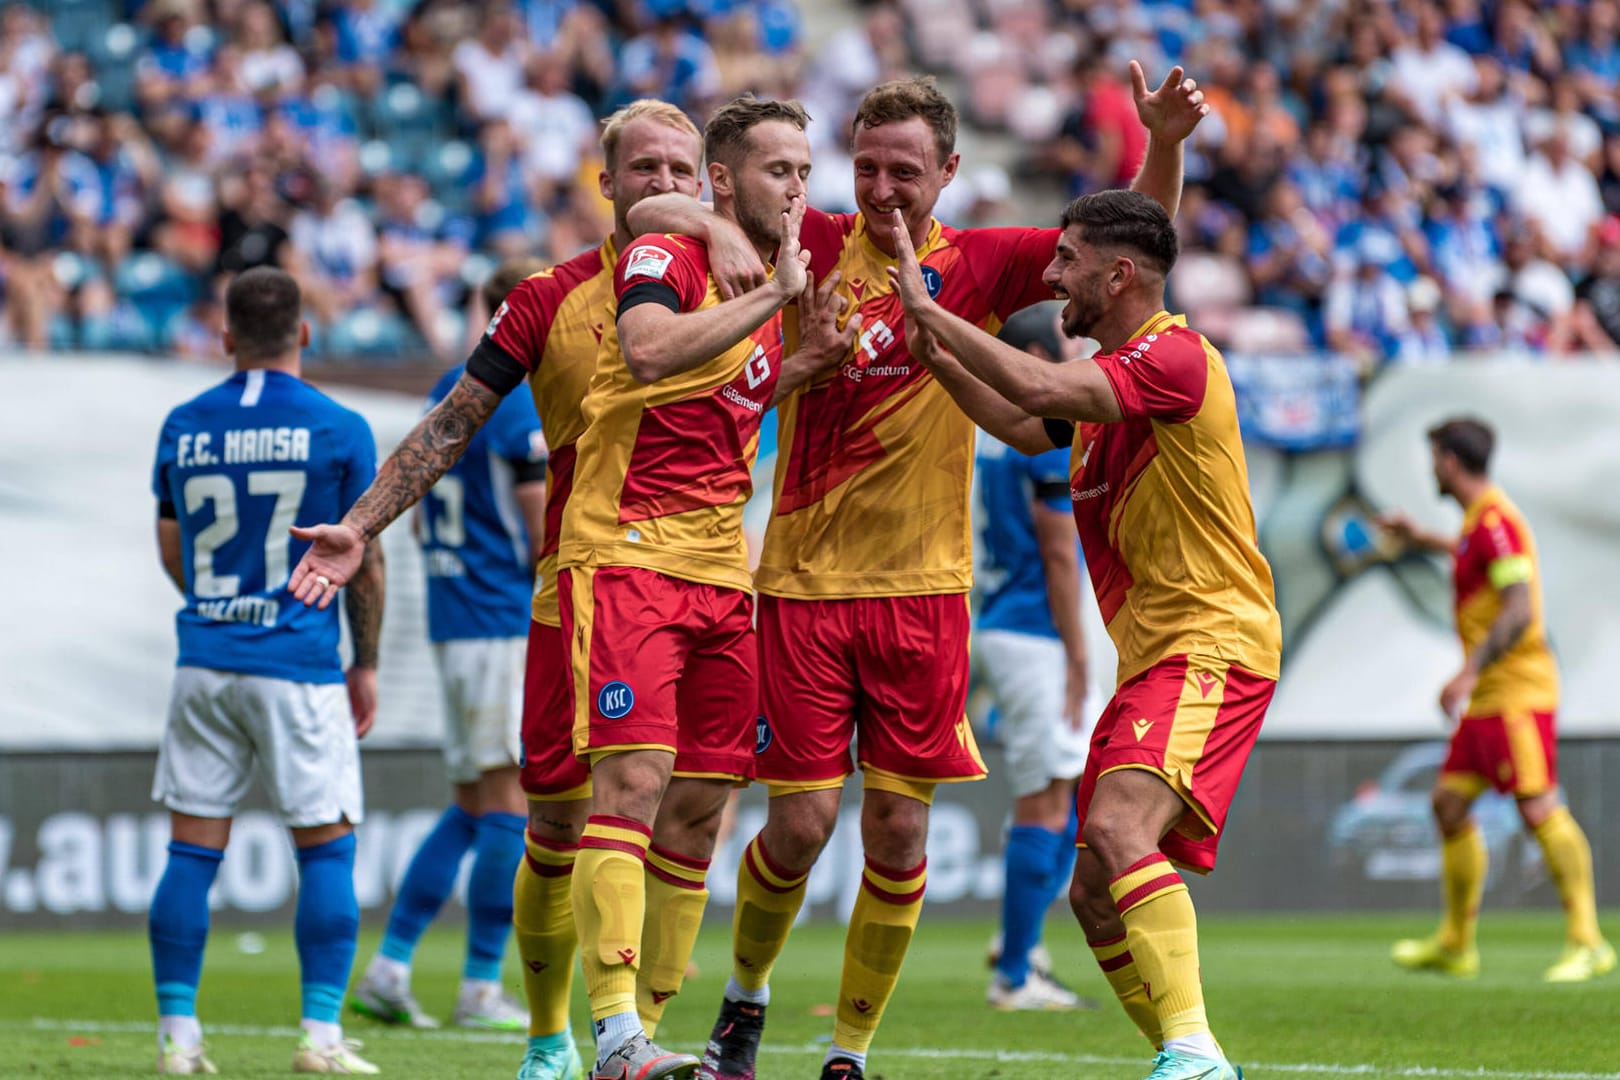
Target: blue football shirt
{"points": [[1007, 556], [475, 545], [237, 466]]}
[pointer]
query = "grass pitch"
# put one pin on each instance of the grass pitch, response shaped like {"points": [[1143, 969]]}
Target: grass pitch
{"points": [[1289, 997]]}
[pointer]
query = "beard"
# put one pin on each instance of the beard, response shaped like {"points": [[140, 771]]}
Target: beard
{"points": [[758, 223], [1081, 315]]}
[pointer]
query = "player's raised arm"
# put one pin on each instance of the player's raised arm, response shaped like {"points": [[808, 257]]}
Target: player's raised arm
{"points": [[1170, 114], [417, 463], [363, 603], [735, 264], [1074, 391], [822, 344], [659, 340]]}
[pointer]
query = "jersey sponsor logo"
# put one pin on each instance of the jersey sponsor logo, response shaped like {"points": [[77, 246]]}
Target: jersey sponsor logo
{"points": [[933, 281], [500, 313], [648, 262], [762, 735], [615, 700], [737, 398], [1080, 495], [1206, 682], [758, 368], [1141, 727]]}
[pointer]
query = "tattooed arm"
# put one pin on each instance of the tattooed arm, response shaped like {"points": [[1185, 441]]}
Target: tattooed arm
{"points": [[423, 456], [363, 601]]}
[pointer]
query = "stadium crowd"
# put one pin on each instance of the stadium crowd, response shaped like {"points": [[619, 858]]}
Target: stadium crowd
{"points": [[1391, 181]]}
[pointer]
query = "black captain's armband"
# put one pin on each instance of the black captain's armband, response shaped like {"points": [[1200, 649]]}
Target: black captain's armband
{"points": [[650, 292], [529, 472], [495, 367], [167, 512], [1051, 489], [1061, 432]]}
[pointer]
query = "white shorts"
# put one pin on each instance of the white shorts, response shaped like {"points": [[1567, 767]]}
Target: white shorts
{"points": [[300, 735], [483, 704], [1024, 674]]}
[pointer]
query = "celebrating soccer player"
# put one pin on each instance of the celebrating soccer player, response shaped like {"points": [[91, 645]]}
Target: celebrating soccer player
{"points": [[866, 563], [549, 330], [1160, 491], [1504, 702], [259, 686], [479, 529]]}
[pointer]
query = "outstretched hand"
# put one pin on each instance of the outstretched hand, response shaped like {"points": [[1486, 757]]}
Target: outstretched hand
{"points": [[334, 555], [792, 264], [820, 308], [1174, 109]]}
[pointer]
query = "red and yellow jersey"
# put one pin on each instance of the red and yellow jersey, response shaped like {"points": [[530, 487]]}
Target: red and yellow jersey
{"points": [[552, 324], [664, 467], [1161, 500], [872, 485], [1496, 550]]}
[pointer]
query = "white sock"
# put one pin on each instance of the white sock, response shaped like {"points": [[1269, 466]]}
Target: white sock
{"points": [[837, 1051], [614, 1031], [321, 1033], [735, 991], [390, 972], [184, 1031], [1199, 1045]]}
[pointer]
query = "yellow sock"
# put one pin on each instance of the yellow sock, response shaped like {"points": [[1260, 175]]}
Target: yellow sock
{"points": [[768, 900], [1569, 861], [610, 902], [543, 923], [880, 929], [675, 902], [1161, 930], [1119, 968], [1463, 861]]}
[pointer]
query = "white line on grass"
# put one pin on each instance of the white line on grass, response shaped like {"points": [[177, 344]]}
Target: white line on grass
{"points": [[1417, 1072]]}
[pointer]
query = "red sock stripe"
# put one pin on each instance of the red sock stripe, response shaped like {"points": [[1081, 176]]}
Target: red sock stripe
{"points": [[776, 868], [672, 879], [561, 847], [896, 875], [603, 843], [1144, 862], [608, 821], [700, 865], [1122, 960], [1147, 890], [1110, 943], [764, 882], [897, 899], [548, 869]]}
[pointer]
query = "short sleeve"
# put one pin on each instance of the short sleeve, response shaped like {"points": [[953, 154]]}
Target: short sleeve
{"points": [[669, 261], [1049, 473], [521, 325], [1507, 557], [1162, 379], [823, 236], [163, 463], [1016, 260], [360, 463]]}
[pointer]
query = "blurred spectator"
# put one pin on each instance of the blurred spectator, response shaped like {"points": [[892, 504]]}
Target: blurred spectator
{"points": [[672, 63], [1427, 70], [1102, 141], [1561, 196], [421, 254], [1365, 315], [270, 68], [553, 127], [1596, 318], [1425, 340], [489, 67], [174, 66], [333, 254], [252, 226], [507, 225], [1290, 253]]}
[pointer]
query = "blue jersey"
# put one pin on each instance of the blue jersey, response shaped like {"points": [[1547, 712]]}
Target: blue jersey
{"points": [[1007, 556], [474, 542], [237, 466]]}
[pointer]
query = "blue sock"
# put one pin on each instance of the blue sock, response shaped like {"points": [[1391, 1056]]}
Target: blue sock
{"points": [[428, 882], [489, 892], [326, 926], [1032, 853], [1063, 869], [178, 925]]}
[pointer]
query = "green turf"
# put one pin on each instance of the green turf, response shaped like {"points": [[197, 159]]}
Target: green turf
{"points": [[1289, 997]]}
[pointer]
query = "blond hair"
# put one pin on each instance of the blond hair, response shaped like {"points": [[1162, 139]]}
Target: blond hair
{"points": [[643, 109]]}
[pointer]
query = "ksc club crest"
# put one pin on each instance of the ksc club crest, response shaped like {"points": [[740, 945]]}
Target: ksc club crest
{"points": [[933, 281]]}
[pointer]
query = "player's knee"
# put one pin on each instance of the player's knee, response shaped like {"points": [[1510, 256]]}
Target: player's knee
{"points": [[796, 836], [1093, 907], [1450, 810]]}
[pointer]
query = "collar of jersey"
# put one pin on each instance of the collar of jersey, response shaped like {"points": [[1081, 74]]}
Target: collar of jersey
{"points": [[1477, 507], [610, 254], [875, 253], [1152, 325]]}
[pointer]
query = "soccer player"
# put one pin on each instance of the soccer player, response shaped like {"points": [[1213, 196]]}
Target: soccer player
{"points": [[1504, 702], [260, 686], [1029, 651], [1160, 492], [656, 595], [480, 529], [866, 566], [548, 329]]}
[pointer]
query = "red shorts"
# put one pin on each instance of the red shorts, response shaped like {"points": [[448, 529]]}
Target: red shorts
{"points": [[1193, 721], [665, 663], [893, 668], [1516, 753], [550, 768]]}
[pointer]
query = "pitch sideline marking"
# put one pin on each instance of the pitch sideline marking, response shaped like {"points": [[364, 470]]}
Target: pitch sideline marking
{"points": [[1417, 1072]]}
